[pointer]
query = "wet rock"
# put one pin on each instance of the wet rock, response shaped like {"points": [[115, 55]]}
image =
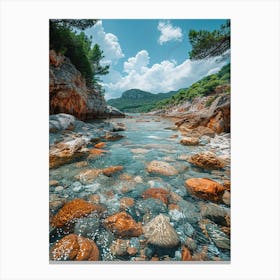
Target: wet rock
{"points": [[226, 197], [190, 243], [60, 122], [87, 227], [173, 207], [154, 206], [88, 175], [94, 199], [132, 251], [204, 140], [215, 213], [59, 189], [123, 225], [190, 210], [201, 255], [73, 209], [186, 254], [220, 239], [81, 164], [109, 171], [114, 112], [104, 238], [159, 232], [66, 152], [197, 132], [226, 184], [189, 141], [207, 160], [126, 202], [161, 167], [125, 177], [96, 153], [158, 193], [118, 127], [53, 183], [176, 215], [119, 247], [74, 247], [100, 145], [174, 198], [205, 189], [112, 136], [184, 231]]}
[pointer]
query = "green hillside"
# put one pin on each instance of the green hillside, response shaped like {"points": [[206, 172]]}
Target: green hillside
{"points": [[137, 101], [203, 87]]}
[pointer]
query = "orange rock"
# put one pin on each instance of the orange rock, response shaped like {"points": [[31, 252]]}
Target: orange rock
{"points": [[100, 145], [158, 193], [205, 188], [173, 207], [131, 251], [126, 202], [93, 153], [155, 259], [123, 225], [189, 141], [186, 254], [53, 183], [73, 209], [207, 160], [109, 171], [226, 184], [74, 247]]}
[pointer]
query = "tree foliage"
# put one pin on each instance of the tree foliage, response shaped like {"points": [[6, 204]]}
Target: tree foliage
{"points": [[207, 44], [203, 87], [77, 47]]}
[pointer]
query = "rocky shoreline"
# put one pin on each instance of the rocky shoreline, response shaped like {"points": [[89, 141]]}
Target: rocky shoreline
{"points": [[132, 202]]}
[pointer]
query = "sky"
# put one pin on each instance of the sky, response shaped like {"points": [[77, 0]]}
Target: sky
{"points": [[151, 55]]}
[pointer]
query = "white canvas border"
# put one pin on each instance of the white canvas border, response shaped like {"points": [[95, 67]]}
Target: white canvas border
{"points": [[255, 138]]}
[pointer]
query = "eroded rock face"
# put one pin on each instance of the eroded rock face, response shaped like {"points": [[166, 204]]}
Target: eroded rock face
{"points": [[74, 247], [69, 93], [159, 232], [207, 160], [123, 225], [66, 152], [205, 189], [161, 167], [76, 208]]}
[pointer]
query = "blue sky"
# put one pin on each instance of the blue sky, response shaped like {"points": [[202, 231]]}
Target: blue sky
{"points": [[150, 54]]}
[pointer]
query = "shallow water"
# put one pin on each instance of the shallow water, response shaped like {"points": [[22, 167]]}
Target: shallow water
{"points": [[146, 139]]}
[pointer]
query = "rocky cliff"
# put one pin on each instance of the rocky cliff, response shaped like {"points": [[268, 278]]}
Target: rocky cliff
{"points": [[69, 93], [210, 111]]}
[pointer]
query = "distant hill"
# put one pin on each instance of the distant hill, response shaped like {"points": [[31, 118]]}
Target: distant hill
{"points": [[137, 101]]}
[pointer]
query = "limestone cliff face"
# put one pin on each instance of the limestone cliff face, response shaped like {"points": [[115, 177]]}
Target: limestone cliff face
{"points": [[69, 93]]}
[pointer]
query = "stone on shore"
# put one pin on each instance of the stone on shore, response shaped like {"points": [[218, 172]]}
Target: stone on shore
{"points": [[189, 141], [207, 160]]}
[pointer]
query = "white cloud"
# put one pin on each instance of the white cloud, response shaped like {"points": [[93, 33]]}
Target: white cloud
{"points": [[160, 77], [108, 42], [169, 32], [137, 63]]}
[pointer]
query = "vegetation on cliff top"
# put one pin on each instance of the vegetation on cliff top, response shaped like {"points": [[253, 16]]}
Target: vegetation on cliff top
{"points": [[203, 87], [77, 47]]}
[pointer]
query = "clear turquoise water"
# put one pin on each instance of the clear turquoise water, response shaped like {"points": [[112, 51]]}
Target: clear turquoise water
{"points": [[155, 137]]}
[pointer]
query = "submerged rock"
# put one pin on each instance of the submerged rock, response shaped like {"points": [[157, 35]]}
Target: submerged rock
{"points": [[161, 167], [123, 225], [87, 227], [207, 160], [119, 247], [205, 188], [109, 171], [160, 232], [76, 208], [219, 238], [100, 145], [88, 175], [186, 254], [74, 247], [215, 213], [66, 152], [158, 193]]}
